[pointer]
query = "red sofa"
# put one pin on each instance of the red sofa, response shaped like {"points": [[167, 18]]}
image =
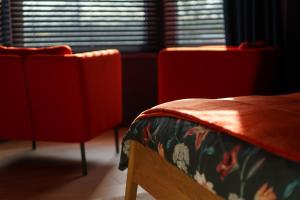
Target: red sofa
{"points": [[216, 71], [51, 94]]}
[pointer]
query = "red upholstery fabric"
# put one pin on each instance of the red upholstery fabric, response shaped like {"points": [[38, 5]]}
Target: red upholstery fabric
{"points": [[64, 98], [270, 122], [14, 111], [214, 72], [74, 97], [24, 52], [102, 79], [253, 45]]}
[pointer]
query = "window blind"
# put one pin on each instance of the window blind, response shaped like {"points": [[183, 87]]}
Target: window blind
{"points": [[129, 25], [1, 31], [193, 22], [5, 22]]}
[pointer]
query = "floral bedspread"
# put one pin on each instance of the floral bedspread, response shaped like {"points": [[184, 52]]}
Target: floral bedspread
{"points": [[229, 167]]}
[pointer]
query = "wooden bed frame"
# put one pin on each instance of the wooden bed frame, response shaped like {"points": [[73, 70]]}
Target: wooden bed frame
{"points": [[160, 178]]}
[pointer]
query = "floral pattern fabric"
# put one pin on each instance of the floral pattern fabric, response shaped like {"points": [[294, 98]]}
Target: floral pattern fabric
{"points": [[229, 167]]}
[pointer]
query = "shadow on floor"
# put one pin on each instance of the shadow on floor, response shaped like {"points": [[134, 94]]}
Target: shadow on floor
{"points": [[42, 177]]}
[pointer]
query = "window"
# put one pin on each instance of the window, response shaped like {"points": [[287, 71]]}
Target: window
{"points": [[1, 31], [5, 34], [194, 22], [129, 25], [85, 24]]}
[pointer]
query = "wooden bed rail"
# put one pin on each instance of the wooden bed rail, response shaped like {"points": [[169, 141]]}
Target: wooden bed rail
{"points": [[160, 178]]}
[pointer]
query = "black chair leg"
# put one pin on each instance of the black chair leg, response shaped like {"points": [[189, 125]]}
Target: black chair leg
{"points": [[116, 130], [83, 160], [33, 144]]}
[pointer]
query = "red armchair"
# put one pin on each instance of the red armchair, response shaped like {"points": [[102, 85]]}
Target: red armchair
{"points": [[66, 98], [216, 71], [15, 122]]}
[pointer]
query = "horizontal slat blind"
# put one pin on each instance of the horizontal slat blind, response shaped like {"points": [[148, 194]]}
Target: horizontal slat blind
{"points": [[5, 23], [1, 23], [1, 29], [129, 25], [194, 22]]}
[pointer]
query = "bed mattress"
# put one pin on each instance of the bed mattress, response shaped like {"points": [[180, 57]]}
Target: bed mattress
{"points": [[227, 166]]}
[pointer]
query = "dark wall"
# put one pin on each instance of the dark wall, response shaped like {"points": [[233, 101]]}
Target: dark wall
{"points": [[139, 84], [291, 63]]}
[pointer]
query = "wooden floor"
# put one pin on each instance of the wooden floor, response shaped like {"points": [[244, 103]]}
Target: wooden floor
{"points": [[53, 171]]}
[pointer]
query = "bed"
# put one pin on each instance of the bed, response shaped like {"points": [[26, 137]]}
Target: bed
{"points": [[236, 148]]}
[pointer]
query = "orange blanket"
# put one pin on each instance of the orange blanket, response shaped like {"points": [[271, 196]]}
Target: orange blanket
{"points": [[270, 122]]}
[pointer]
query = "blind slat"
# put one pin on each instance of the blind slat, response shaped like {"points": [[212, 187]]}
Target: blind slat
{"points": [[101, 25], [104, 35]]}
